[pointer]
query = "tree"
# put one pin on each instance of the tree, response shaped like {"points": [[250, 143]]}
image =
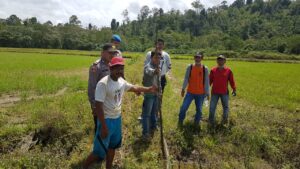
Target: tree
{"points": [[249, 2], [125, 16], [114, 24], [144, 13], [73, 20], [197, 6], [161, 11], [238, 3], [224, 5], [48, 23], [13, 20], [258, 5], [90, 27], [285, 3], [30, 21], [33, 20]]}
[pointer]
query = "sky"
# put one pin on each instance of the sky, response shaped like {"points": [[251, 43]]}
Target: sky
{"points": [[97, 12]]}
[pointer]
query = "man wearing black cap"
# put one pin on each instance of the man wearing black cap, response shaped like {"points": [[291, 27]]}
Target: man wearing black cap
{"points": [[219, 77], [197, 83], [97, 71]]}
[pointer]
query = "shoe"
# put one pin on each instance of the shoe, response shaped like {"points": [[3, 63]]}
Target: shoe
{"points": [[140, 119], [146, 137], [180, 124], [224, 121], [197, 127]]}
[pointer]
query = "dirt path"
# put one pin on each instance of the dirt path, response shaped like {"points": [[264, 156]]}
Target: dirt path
{"points": [[9, 100]]}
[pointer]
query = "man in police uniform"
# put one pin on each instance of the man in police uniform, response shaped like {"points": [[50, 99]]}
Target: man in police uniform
{"points": [[116, 42], [98, 70]]}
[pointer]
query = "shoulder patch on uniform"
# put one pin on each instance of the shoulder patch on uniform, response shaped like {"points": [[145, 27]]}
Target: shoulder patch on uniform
{"points": [[94, 68], [97, 61]]}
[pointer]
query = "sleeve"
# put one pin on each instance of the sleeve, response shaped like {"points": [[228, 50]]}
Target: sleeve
{"points": [[100, 93], [148, 58], [186, 77], [168, 62], [206, 83], [148, 70], [92, 82], [231, 80], [211, 77], [127, 86]]}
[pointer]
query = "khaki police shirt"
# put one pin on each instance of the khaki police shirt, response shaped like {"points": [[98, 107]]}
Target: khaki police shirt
{"points": [[97, 71]]}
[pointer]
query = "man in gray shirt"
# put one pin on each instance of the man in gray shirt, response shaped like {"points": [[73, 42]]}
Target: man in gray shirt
{"points": [[165, 61], [98, 70]]}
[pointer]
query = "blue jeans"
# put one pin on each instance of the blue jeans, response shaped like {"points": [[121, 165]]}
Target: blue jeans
{"points": [[149, 113], [213, 105], [199, 99]]}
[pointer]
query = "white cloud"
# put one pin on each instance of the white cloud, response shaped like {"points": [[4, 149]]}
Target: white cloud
{"points": [[97, 12]]}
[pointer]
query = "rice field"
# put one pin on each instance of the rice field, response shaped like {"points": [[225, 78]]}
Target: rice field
{"points": [[46, 122]]}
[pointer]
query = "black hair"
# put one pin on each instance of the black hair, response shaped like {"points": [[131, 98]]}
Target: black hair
{"points": [[199, 54], [106, 46], [153, 53], [159, 40]]}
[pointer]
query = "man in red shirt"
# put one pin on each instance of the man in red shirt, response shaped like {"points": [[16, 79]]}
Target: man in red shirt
{"points": [[219, 78]]}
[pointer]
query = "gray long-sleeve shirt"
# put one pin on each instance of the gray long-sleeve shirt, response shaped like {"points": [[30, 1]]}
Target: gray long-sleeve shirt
{"points": [[97, 71], [187, 78], [150, 78]]}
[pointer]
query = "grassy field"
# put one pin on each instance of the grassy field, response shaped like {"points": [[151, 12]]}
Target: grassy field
{"points": [[45, 119]]}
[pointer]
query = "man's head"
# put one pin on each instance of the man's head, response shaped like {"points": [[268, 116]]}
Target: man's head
{"points": [[160, 44], [221, 60], [116, 67], [198, 57], [116, 40], [107, 52], [155, 57]]}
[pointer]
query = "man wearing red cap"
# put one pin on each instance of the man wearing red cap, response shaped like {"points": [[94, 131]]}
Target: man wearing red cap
{"points": [[108, 96]]}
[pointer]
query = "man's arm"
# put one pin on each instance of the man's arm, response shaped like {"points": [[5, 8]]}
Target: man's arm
{"points": [[92, 86], [186, 80], [232, 82], [211, 77], [148, 58], [168, 62], [100, 116], [136, 89], [206, 83]]}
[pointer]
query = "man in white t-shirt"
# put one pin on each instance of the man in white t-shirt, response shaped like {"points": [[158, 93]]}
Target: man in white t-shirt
{"points": [[108, 96]]}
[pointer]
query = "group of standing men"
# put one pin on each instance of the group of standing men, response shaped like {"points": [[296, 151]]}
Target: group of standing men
{"points": [[107, 85]]}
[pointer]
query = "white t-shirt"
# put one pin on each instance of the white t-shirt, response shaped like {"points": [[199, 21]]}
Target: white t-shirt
{"points": [[110, 92]]}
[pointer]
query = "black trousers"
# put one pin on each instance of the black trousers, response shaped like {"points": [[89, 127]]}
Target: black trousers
{"points": [[95, 123], [163, 83]]}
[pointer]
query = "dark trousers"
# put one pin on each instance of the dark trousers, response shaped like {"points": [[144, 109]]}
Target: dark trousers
{"points": [[95, 124], [163, 83]]}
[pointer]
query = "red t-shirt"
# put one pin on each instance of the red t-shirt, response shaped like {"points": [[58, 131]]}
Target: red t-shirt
{"points": [[219, 78]]}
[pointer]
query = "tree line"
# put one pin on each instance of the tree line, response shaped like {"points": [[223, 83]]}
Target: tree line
{"points": [[251, 25]]}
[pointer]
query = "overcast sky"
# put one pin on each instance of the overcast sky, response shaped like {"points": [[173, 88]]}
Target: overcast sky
{"points": [[97, 12]]}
